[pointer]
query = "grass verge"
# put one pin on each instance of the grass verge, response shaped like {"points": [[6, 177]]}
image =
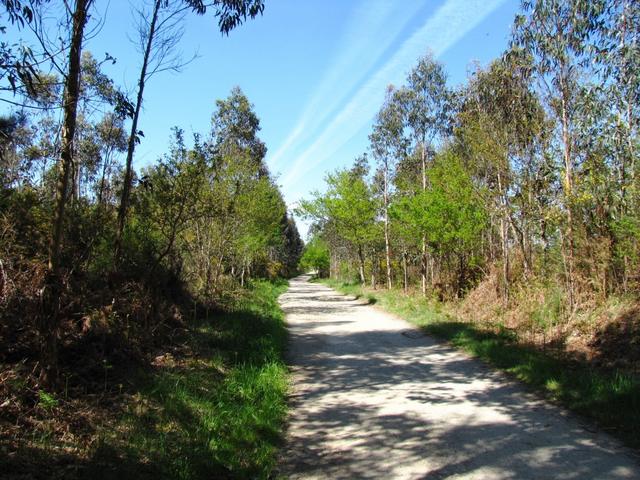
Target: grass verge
{"points": [[611, 398], [217, 412], [211, 404]]}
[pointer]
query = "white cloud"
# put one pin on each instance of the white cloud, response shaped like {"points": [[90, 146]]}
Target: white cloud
{"points": [[380, 20], [449, 24]]}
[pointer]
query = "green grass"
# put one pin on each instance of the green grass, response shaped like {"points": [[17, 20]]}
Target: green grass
{"points": [[218, 412], [611, 398]]}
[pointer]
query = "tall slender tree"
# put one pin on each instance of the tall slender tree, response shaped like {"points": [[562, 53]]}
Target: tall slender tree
{"points": [[427, 105], [160, 30], [388, 146], [557, 33], [50, 320]]}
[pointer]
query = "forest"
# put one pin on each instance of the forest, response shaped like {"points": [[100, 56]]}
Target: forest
{"points": [[107, 272], [512, 198], [140, 330]]}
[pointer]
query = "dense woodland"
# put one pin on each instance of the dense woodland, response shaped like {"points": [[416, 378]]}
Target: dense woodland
{"points": [[515, 195], [512, 199], [133, 300], [89, 246]]}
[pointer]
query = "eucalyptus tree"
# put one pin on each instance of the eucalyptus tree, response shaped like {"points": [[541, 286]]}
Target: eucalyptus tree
{"points": [[160, 29], [98, 97], [61, 54], [20, 68], [235, 127], [427, 109], [388, 146], [112, 140], [16, 136], [617, 53], [499, 126], [50, 322], [557, 33]]}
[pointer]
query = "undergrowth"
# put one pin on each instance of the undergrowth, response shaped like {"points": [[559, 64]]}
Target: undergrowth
{"points": [[210, 406], [610, 397]]}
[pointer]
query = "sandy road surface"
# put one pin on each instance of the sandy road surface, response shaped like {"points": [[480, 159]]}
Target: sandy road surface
{"points": [[370, 401]]}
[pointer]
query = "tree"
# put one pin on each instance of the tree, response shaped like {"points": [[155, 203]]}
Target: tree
{"points": [[616, 51], [240, 221], [427, 108], [388, 145], [315, 257], [19, 65], [500, 125], [50, 319], [160, 31], [450, 211], [112, 139], [15, 135], [292, 245], [347, 207], [556, 33], [170, 195]]}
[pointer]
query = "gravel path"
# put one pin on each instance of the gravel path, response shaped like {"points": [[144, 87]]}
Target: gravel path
{"points": [[373, 398]]}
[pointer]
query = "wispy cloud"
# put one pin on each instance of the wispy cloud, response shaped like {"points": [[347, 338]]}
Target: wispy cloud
{"points": [[449, 24], [380, 19]]}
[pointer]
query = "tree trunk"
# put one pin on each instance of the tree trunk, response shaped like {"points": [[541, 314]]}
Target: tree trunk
{"points": [[387, 245], [423, 261], [332, 269], [133, 135], [568, 192], [504, 239], [404, 272], [423, 265], [102, 184], [361, 266], [374, 269], [51, 302], [630, 154]]}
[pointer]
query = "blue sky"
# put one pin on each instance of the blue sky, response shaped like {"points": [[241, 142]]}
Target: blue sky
{"points": [[315, 70]]}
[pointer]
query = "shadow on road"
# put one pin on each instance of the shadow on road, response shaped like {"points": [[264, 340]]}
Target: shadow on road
{"points": [[370, 402]]}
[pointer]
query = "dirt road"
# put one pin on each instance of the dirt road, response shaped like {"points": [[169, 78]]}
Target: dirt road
{"points": [[373, 398]]}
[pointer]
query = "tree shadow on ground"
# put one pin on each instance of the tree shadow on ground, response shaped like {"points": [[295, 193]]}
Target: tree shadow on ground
{"points": [[378, 404], [172, 424], [618, 344]]}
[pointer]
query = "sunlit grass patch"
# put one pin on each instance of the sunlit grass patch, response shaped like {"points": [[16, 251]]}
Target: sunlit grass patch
{"points": [[217, 413]]}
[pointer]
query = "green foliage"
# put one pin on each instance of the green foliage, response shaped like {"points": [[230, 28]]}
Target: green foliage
{"points": [[220, 410], [316, 257], [347, 211], [47, 400], [348, 205], [234, 127], [427, 102], [25, 222], [452, 216], [448, 214]]}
